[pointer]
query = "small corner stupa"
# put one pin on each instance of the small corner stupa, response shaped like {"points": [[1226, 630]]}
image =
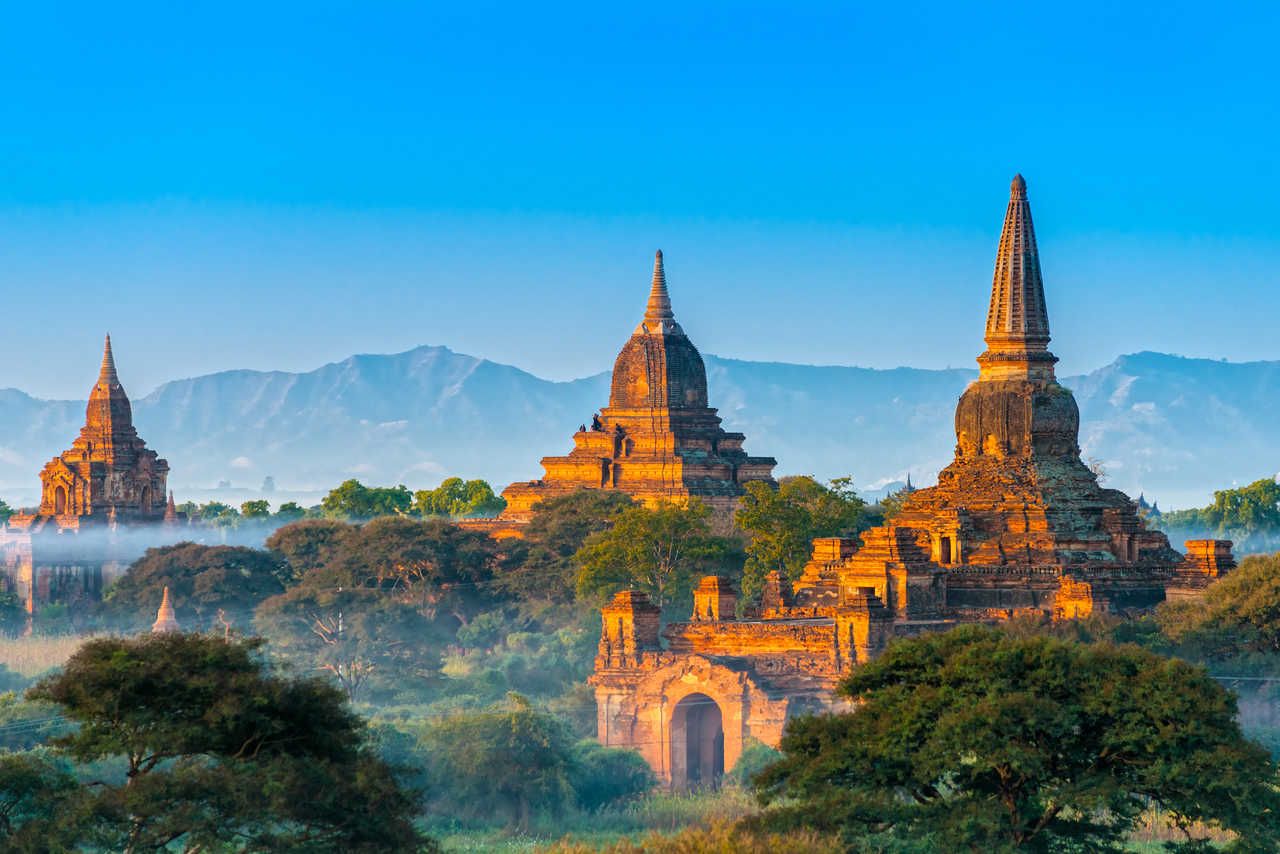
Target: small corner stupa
{"points": [[658, 439], [166, 619]]}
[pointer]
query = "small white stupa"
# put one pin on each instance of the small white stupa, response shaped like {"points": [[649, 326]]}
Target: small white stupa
{"points": [[166, 620]]}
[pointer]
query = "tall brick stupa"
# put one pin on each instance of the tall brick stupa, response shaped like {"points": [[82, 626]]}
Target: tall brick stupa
{"points": [[658, 438], [1018, 521]]}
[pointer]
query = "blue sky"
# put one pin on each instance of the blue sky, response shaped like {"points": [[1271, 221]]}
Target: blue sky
{"points": [[281, 185]]}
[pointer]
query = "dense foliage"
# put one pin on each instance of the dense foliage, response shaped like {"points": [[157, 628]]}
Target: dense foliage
{"points": [[353, 500], [543, 565], [458, 499], [661, 551], [1240, 612], [209, 586], [1250, 516], [782, 524], [981, 741], [212, 750]]}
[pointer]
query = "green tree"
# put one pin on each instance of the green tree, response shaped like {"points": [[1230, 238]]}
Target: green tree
{"points": [[1239, 612], [290, 511], [218, 514], [604, 775], [26, 724], [362, 637], [309, 545], [782, 524], [42, 806], [1249, 515], [541, 564], [203, 581], [5, 512], [353, 500], [660, 550], [260, 509], [437, 567], [457, 499], [221, 752], [978, 741], [508, 761]]}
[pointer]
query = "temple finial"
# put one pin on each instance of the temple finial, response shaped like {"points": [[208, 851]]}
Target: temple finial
{"points": [[107, 375], [170, 511], [659, 307], [1017, 318], [166, 619]]}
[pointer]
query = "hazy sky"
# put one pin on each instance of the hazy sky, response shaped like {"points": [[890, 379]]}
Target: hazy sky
{"points": [[274, 185]]}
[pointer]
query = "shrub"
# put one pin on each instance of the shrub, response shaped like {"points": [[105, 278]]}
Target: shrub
{"points": [[604, 775]]}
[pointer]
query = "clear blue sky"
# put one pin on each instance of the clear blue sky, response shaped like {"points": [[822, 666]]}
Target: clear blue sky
{"points": [[277, 185]]}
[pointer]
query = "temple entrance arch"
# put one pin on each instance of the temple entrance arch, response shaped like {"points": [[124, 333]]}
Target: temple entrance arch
{"points": [[145, 499], [60, 500], [697, 743]]}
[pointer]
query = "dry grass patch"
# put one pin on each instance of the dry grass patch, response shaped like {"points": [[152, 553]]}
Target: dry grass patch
{"points": [[32, 656]]}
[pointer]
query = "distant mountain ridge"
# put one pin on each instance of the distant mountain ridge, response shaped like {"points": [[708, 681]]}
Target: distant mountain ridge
{"points": [[1172, 427]]}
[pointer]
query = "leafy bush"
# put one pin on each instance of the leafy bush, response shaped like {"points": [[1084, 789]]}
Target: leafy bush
{"points": [[604, 775], [755, 757], [507, 761]]}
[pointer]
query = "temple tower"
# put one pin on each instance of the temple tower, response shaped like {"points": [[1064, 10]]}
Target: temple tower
{"points": [[108, 473], [658, 438], [1017, 521]]}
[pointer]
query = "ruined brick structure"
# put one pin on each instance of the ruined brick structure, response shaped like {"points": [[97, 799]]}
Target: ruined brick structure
{"points": [[657, 438], [106, 479], [1016, 524]]}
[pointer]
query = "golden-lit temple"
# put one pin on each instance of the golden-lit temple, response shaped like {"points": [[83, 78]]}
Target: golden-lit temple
{"points": [[1017, 524]]}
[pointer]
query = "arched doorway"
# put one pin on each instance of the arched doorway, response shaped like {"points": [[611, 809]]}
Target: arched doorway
{"points": [[697, 743], [60, 500], [145, 499]]}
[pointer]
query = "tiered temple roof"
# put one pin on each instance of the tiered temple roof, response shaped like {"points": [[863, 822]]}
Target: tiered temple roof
{"points": [[658, 438]]}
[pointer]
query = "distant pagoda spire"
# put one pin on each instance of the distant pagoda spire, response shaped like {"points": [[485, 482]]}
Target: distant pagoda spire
{"points": [[659, 307], [171, 511], [166, 619], [1017, 333], [107, 375], [658, 316]]}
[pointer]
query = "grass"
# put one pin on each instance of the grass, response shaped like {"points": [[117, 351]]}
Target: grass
{"points": [[668, 814], [662, 812], [34, 655]]}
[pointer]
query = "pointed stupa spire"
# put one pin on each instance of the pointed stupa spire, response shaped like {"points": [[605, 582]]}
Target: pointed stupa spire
{"points": [[166, 619], [1017, 333], [659, 307], [107, 376], [658, 317], [171, 511], [1017, 314]]}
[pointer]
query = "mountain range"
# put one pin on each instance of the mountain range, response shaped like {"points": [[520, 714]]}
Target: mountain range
{"points": [[1170, 427]]}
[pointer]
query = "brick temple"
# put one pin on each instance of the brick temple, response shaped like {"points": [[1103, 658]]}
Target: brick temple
{"points": [[658, 439], [1017, 524], [108, 478]]}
